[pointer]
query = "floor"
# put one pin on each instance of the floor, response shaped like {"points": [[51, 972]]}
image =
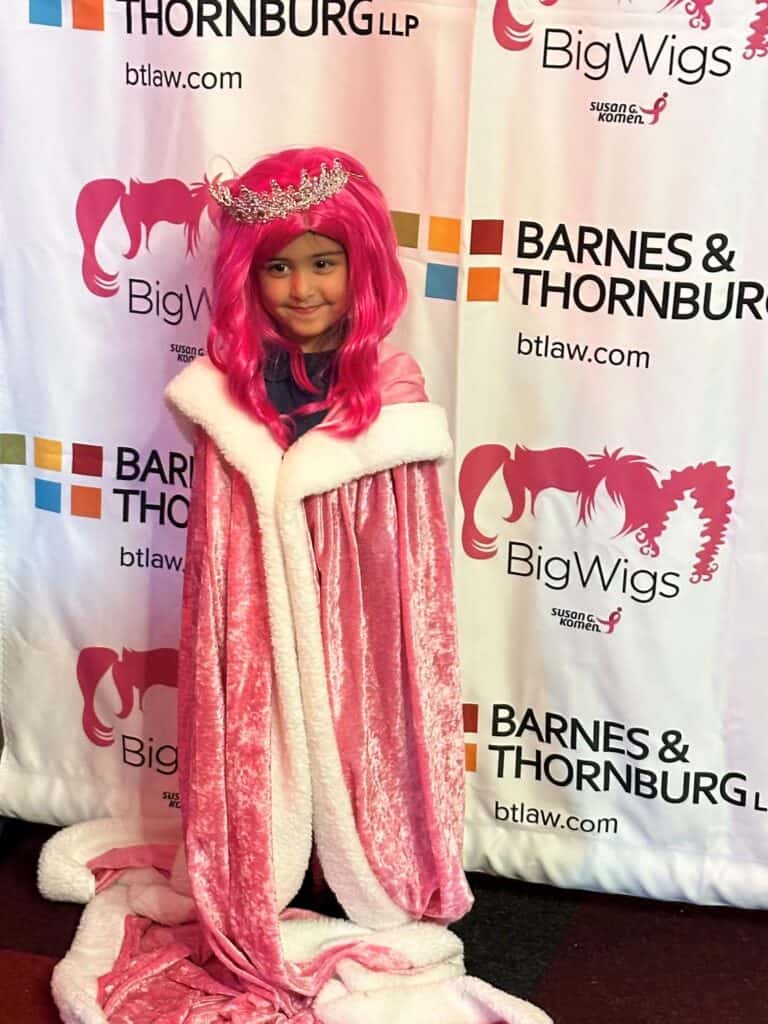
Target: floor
{"points": [[583, 957]]}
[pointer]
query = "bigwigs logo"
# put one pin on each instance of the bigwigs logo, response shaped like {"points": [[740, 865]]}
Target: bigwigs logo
{"points": [[656, 54], [142, 205], [131, 674], [128, 676], [630, 481]]}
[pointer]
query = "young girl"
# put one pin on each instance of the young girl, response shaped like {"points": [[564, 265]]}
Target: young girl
{"points": [[318, 688]]}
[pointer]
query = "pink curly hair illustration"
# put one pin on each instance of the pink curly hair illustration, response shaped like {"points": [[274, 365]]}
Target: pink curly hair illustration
{"points": [[757, 41], [511, 33], [697, 9], [135, 671], [628, 479], [142, 205]]}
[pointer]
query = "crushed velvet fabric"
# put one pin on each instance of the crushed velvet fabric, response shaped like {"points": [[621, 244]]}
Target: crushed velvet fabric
{"points": [[382, 580], [318, 698], [386, 604]]}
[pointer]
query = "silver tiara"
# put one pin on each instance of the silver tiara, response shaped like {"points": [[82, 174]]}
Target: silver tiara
{"points": [[249, 207]]}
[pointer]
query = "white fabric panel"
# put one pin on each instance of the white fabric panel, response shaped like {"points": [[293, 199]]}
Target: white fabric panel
{"points": [[626, 756]]}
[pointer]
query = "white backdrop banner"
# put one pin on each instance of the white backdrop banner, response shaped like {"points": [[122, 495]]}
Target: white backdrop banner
{"points": [[578, 195], [120, 112], [612, 498]]}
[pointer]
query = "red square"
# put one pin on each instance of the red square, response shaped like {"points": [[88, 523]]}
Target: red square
{"points": [[470, 717], [87, 459], [487, 237]]}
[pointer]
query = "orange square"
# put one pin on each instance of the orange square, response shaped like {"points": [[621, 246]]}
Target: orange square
{"points": [[470, 757], [88, 14], [483, 284], [86, 501], [48, 453], [444, 234]]}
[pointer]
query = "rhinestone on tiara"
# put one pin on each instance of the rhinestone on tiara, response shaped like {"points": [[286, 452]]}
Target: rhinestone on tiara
{"points": [[248, 207]]}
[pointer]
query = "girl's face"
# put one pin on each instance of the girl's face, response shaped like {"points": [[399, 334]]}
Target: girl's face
{"points": [[304, 290]]}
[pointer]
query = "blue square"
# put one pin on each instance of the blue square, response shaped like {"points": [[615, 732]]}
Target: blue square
{"points": [[45, 12], [442, 281], [47, 495]]}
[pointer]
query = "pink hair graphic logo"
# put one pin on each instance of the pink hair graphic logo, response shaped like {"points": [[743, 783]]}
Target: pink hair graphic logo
{"points": [[517, 35], [628, 479], [657, 109], [511, 33], [142, 206], [135, 672]]}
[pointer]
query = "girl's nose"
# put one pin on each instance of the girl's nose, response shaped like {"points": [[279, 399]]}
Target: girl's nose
{"points": [[301, 284]]}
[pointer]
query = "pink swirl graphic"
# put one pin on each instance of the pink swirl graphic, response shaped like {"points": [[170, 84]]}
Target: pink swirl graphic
{"points": [[700, 17], [657, 109], [757, 41], [611, 622]]}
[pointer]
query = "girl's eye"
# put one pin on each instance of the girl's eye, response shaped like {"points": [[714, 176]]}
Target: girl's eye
{"points": [[277, 268], [323, 264]]}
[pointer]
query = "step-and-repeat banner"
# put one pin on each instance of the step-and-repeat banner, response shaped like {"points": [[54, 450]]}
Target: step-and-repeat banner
{"points": [[578, 192]]}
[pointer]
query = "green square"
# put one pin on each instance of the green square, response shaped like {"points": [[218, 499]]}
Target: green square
{"points": [[406, 228], [13, 449]]}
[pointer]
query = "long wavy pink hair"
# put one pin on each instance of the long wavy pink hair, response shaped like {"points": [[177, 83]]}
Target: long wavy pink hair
{"points": [[357, 217]]}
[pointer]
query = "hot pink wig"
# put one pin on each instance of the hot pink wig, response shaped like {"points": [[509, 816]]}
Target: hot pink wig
{"points": [[357, 218]]}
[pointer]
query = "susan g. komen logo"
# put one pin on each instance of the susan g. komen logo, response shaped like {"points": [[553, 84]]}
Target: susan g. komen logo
{"points": [[127, 676], [142, 205], [630, 481]]}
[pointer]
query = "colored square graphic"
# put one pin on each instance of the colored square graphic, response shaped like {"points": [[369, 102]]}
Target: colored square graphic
{"points": [[88, 14], [47, 495], [48, 453], [442, 281], [86, 501], [406, 228], [486, 237], [45, 12], [470, 757], [87, 459], [13, 449], [469, 711], [483, 284], [444, 234]]}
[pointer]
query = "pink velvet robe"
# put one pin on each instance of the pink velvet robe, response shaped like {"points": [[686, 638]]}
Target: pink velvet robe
{"points": [[318, 698]]}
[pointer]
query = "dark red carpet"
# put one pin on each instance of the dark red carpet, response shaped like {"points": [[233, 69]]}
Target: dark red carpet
{"points": [[585, 958]]}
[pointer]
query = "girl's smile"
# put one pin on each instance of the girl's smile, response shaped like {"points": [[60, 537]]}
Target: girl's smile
{"points": [[304, 290]]}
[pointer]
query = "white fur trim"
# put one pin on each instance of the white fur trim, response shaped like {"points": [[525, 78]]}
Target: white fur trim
{"points": [[407, 432], [341, 853], [354, 995], [93, 952], [62, 872], [200, 393], [501, 1004], [317, 462], [449, 1001]]}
